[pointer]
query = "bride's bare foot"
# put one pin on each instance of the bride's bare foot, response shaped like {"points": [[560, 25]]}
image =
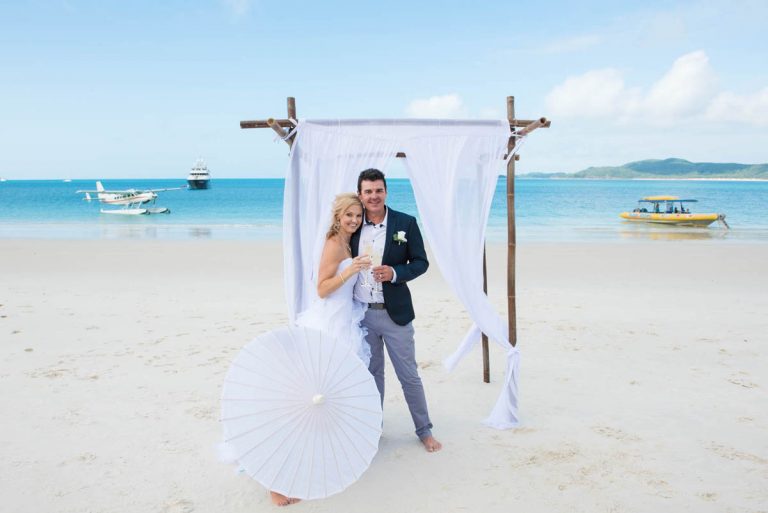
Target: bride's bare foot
{"points": [[430, 444], [278, 499]]}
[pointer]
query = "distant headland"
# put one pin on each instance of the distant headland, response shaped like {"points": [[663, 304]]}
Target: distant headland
{"points": [[678, 169]]}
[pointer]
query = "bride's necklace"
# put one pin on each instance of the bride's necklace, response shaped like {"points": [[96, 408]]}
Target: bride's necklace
{"points": [[347, 247]]}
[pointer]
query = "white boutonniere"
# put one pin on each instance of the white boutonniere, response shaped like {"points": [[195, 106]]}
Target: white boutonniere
{"points": [[399, 237]]}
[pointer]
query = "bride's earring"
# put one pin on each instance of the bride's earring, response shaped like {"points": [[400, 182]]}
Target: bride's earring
{"points": [[336, 226]]}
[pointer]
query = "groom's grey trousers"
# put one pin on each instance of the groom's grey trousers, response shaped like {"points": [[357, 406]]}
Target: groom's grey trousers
{"points": [[382, 330]]}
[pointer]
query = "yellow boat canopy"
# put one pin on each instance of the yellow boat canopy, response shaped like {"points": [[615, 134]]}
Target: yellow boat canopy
{"points": [[666, 198]]}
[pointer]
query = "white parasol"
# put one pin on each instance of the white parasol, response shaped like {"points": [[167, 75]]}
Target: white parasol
{"points": [[301, 413]]}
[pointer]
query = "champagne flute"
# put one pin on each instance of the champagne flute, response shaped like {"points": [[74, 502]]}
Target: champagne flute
{"points": [[367, 250], [376, 257]]}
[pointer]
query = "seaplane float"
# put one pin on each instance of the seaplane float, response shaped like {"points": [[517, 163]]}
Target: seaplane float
{"points": [[131, 200], [670, 210]]}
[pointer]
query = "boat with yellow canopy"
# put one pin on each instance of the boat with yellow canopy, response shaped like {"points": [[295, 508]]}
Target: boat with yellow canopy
{"points": [[670, 210]]}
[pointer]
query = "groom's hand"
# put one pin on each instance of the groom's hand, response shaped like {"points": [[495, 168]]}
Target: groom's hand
{"points": [[382, 273]]}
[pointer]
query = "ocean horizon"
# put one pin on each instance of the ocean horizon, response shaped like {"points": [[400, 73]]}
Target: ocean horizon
{"points": [[547, 210]]}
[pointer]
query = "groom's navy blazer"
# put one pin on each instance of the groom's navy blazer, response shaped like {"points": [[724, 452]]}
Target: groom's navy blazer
{"points": [[408, 259]]}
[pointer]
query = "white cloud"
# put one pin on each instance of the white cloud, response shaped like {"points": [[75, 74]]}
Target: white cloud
{"points": [[238, 7], [446, 106], [685, 90], [688, 91], [598, 93], [750, 108]]}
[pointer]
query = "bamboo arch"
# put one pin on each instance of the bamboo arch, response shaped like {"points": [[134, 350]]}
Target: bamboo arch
{"points": [[283, 127]]}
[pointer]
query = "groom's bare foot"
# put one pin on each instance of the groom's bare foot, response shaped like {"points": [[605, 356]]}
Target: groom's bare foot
{"points": [[431, 444], [278, 499]]}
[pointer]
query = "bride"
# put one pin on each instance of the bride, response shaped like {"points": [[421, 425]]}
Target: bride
{"points": [[336, 312]]}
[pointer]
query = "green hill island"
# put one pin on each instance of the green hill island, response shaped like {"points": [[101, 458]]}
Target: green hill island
{"points": [[677, 169]]}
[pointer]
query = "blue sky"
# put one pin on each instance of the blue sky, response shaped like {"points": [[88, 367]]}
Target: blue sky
{"points": [[107, 89]]}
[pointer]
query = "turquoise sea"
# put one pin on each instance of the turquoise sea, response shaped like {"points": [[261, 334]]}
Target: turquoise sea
{"points": [[547, 210]]}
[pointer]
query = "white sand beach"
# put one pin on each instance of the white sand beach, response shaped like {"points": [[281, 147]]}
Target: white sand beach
{"points": [[643, 388]]}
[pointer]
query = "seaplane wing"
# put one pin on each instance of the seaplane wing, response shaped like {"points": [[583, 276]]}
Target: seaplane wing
{"points": [[129, 191], [161, 190], [123, 191]]}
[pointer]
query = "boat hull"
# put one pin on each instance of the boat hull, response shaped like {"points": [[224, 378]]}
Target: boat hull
{"points": [[198, 184], [674, 219]]}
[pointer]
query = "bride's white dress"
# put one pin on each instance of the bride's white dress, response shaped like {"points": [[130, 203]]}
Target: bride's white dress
{"points": [[340, 314]]}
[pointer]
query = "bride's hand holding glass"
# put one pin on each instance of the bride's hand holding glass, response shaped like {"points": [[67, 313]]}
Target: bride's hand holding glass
{"points": [[360, 263]]}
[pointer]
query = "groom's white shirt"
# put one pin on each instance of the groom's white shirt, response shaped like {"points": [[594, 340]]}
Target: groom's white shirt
{"points": [[376, 235]]}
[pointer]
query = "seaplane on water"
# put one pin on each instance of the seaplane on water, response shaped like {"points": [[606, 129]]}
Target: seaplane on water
{"points": [[130, 199]]}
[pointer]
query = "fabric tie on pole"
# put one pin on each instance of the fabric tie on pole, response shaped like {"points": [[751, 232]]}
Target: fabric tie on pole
{"points": [[519, 141], [505, 412]]}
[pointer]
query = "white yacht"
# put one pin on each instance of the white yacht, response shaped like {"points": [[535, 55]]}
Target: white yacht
{"points": [[199, 177]]}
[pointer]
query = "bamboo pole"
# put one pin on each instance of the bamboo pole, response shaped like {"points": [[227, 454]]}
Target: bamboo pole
{"points": [[511, 299], [486, 356], [522, 123], [274, 125], [541, 122], [262, 123]]}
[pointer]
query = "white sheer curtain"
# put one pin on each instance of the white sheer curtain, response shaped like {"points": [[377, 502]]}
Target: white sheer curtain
{"points": [[453, 167], [454, 178], [325, 161]]}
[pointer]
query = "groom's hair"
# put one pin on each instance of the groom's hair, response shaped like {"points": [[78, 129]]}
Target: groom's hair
{"points": [[371, 175]]}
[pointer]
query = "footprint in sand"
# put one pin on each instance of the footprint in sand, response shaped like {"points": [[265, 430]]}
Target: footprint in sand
{"points": [[661, 488], [202, 412], [49, 373], [86, 457], [614, 433], [179, 506], [730, 453], [742, 382]]}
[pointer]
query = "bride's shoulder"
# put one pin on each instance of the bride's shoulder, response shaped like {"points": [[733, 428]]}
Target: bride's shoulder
{"points": [[333, 250]]}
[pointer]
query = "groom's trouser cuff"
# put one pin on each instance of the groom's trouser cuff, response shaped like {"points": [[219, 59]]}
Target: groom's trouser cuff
{"points": [[424, 432]]}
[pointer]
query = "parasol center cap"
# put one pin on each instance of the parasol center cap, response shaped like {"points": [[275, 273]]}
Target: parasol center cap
{"points": [[318, 399]]}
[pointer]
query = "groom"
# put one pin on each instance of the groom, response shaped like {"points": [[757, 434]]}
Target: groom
{"points": [[397, 238]]}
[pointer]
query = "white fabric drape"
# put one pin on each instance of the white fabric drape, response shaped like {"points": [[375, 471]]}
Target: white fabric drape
{"points": [[325, 161], [453, 167], [453, 179]]}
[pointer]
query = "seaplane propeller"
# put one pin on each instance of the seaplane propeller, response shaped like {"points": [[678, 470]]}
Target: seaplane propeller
{"points": [[721, 220]]}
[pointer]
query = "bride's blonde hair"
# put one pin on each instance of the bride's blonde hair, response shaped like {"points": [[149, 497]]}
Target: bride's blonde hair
{"points": [[340, 205]]}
